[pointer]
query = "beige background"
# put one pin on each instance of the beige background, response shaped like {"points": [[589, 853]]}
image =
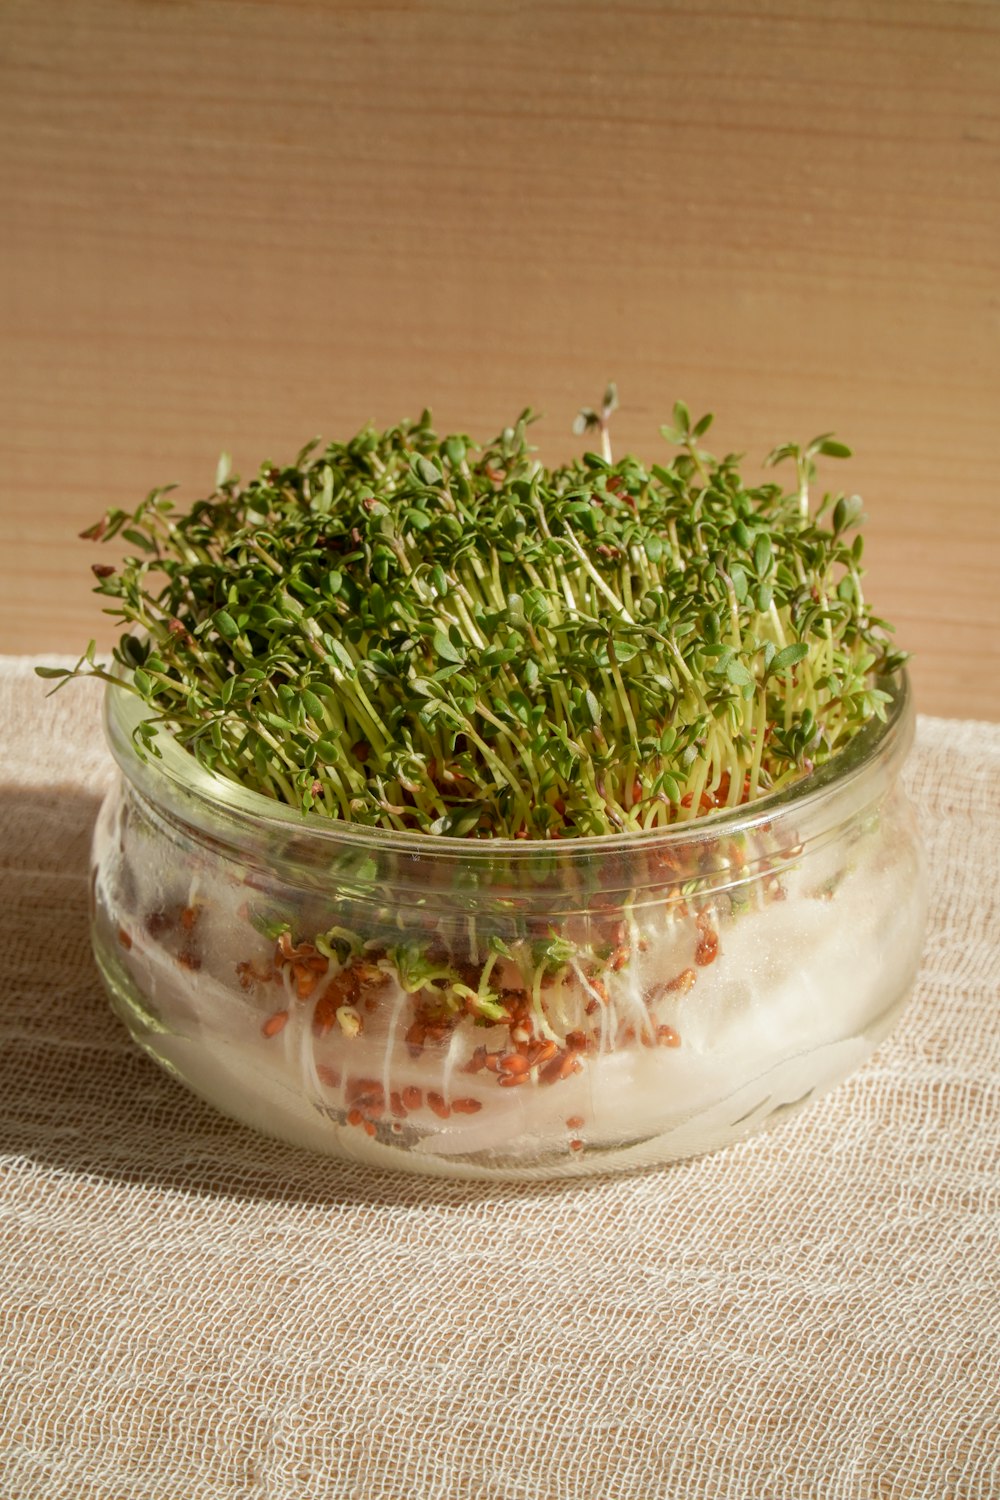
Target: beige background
{"points": [[235, 225]]}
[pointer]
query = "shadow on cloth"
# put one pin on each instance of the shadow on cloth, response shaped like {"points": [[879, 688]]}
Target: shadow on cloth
{"points": [[81, 1098]]}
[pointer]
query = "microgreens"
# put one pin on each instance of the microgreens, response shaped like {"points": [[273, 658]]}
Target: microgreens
{"points": [[406, 631]]}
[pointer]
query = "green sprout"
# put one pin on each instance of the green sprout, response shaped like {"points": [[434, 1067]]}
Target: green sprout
{"points": [[410, 632]]}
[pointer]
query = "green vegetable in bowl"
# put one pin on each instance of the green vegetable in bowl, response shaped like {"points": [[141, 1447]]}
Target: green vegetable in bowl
{"points": [[404, 630]]}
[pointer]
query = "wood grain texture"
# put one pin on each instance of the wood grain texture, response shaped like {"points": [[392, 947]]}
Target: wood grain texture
{"points": [[235, 225]]}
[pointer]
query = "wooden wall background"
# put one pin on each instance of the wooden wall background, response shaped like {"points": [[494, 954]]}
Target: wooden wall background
{"points": [[238, 223]]}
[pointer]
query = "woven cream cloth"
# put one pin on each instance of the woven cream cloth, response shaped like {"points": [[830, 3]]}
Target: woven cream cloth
{"points": [[192, 1312]]}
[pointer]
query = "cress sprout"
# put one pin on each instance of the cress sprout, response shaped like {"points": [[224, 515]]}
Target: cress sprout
{"points": [[408, 631]]}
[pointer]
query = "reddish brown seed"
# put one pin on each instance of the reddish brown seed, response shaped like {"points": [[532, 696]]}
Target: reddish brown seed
{"points": [[324, 1015], [365, 1092], [189, 960], [477, 1061], [619, 961], [666, 1036], [189, 917], [412, 1096], [540, 1052], [275, 1023], [305, 981], [575, 1122], [707, 950], [369, 1127], [569, 1064], [682, 982], [368, 973], [328, 1075], [492, 1062], [438, 1105], [415, 1038], [576, 1041], [576, 1145], [157, 923], [514, 1062], [355, 1117], [511, 1080], [466, 1106], [124, 938]]}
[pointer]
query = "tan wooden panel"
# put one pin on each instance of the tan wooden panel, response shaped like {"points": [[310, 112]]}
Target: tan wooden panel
{"points": [[234, 225]]}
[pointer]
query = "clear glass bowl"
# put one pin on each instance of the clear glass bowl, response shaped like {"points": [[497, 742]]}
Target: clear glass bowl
{"points": [[499, 1008]]}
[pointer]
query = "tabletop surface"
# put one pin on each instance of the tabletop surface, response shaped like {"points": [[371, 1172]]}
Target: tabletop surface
{"points": [[190, 1309], [237, 225]]}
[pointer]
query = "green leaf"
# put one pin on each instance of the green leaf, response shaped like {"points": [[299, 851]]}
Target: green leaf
{"points": [[444, 648], [846, 513], [225, 625], [831, 449], [515, 611], [789, 657], [139, 539], [323, 502], [429, 472], [133, 651], [340, 656]]}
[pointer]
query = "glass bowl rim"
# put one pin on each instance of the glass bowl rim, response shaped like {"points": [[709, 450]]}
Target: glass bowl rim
{"points": [[879, 741]]}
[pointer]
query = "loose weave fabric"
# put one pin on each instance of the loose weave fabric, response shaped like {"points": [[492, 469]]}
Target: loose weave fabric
{"points": [[192, 1312]]}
